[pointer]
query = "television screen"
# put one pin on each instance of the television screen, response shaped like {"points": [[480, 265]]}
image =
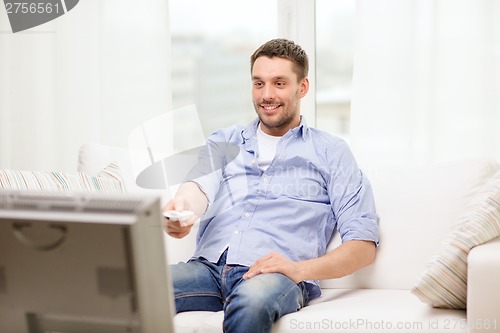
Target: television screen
{"points": [[83, 262]]}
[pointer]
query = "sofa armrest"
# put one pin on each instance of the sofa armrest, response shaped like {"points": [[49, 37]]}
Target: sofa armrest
{"points": [[483, 289]]}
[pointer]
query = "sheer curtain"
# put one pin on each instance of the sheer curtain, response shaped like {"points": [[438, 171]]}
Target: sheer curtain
{"points": [[426, 81], [91, 75]]}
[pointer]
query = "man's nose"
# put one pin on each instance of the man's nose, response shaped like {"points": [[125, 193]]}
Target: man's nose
{"points": [[268, 92]]}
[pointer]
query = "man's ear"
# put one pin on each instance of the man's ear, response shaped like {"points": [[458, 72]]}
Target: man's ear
{"points": [[304, 87]]}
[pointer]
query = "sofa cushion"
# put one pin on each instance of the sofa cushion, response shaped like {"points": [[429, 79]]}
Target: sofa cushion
{"points": [[347, 310], [108, 179], [93, 157], [417, 205], [443, 283]]}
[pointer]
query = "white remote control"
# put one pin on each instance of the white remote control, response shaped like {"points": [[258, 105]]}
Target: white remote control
{"points": [[176, 215]]}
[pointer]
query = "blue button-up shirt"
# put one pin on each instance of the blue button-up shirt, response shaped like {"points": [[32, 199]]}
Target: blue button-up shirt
{"points": [[312, 188]]}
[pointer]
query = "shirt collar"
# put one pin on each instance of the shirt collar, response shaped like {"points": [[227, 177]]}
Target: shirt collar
{"points": [[251, 129]]}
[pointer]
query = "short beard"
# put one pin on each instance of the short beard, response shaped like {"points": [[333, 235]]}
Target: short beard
{"points": [[284, 120]]}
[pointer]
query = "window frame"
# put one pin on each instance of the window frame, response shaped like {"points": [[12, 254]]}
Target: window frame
{"points": [[297, 21]]}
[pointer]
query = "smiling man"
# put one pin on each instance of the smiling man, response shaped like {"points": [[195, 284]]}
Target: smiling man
{"points": [[267, 216], [276, 93]]}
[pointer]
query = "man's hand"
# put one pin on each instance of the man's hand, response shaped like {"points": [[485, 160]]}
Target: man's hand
{"points": [[189, 197], [275, 263], [175, 229], [341, 261]]}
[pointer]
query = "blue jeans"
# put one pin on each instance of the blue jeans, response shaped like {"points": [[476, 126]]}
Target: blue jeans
{"points": [[249, 305]]}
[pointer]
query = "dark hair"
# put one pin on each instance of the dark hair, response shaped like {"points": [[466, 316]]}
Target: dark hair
{"points": [[286, 49]]}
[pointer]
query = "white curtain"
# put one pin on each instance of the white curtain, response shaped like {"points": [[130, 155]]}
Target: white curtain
{"points": [[426, 82], [91, 75]]}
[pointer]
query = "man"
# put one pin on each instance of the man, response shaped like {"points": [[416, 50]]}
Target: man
{"points": [[269, 211]]}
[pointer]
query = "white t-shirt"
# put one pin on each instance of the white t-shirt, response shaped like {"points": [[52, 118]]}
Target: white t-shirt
{"points": [[267, 148]]}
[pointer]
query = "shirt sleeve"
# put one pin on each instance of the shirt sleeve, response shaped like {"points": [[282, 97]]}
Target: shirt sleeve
{"points": [[208, 173], [351, 197]]}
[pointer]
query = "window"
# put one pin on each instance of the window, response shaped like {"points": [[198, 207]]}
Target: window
{"points": [[334, 63], [211, 46]]}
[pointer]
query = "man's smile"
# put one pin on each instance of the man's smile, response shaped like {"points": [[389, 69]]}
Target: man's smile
{"points": [[270, 108]]}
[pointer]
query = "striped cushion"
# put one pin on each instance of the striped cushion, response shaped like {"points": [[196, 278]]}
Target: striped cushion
{"points": [[443, 284], [108, 180]]}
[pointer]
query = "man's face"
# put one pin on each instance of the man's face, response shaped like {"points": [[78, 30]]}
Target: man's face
{"points": [[276, 94]]}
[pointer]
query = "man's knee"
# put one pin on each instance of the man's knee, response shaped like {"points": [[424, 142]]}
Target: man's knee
{"points": [[258, 302], [195, 288], [270, 294]]}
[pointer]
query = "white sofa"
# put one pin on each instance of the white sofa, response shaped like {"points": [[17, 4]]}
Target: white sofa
{"points": [[419, 208]]}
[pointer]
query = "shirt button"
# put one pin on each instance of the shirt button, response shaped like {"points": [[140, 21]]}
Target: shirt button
{"points": [[247, 214], [265, 179]]}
